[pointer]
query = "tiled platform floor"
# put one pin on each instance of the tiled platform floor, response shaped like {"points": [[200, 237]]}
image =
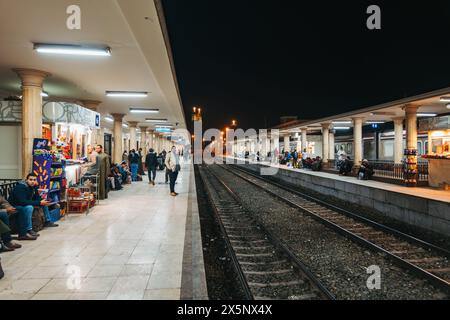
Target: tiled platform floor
{"points": [[128, 247]]}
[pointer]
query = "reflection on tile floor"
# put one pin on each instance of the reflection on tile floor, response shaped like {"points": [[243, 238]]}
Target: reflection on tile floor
{"points": [[128, 247]]}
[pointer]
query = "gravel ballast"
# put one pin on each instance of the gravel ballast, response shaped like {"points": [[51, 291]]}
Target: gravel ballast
{"points": [[338, 262]]}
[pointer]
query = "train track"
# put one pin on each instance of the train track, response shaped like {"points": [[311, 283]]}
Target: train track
{"points": [[267, 268], [422, 258]]}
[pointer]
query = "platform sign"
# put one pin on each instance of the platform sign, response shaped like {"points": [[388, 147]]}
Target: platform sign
{"points": [[163, 130], [97, 120], [40, 144]]}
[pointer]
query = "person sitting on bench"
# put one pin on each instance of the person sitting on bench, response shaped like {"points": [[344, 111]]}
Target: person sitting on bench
{"points": [[24, 197], [6, 243]]}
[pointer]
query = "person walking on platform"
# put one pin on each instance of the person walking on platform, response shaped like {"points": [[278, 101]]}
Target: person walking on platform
{"points": [[173, 165], [151, 162], [103, 169]]}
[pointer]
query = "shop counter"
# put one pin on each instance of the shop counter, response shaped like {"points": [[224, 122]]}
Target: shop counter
{"points": [[438, 172]]}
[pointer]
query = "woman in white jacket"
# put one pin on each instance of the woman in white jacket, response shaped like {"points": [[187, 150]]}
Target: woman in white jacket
{"points": [[173, 165]]}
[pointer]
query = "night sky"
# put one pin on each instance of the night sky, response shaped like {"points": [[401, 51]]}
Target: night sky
{"points": [[258, 60]]}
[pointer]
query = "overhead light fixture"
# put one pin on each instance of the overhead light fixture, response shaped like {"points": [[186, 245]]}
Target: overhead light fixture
{"points": [[422, 114], [44, 94], [156, 120], [127, 94], [342, 122], [341, 128], [375, 122], [109, 119], [445, 99], [143, 110], [68, 49], [163, 126]]}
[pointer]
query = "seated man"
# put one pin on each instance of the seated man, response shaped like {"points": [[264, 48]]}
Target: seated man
{"points": [[366, 171], [6, 243], [24, 197], [345, 166], [317, 164]]}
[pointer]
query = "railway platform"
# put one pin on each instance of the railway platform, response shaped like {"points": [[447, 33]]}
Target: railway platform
{"points": [[140, 243], [422, 207]]}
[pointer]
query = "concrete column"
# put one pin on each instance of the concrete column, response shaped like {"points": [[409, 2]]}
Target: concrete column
{"points": [[144, 145], [398, 139], [304, 139], [325, 141], [287, 142], [357, 140], [331, 146], [32, 81], [133, 126], [151, 143], [100, 137], [411, 126], [411, 145], [117, 134], [93, 105]]}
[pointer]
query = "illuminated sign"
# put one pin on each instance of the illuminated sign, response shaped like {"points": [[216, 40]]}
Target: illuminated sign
{"points": [[163, 130]]}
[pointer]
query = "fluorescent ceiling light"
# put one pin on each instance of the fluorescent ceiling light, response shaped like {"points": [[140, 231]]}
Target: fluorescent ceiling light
{"points": [[109, 119], [375, 122], [341, 128], [72, 49], [445, 99], [143, 110], [127, 94], [426, 114], [156, 120], [342, 122]]}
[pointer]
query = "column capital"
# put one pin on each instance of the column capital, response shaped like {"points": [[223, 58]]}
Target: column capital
{"points": [[118, 116], [358, 119], [398, 120], [143, 129], [31, 77], [326, 125], [91, 104], [410, 108], [133, 124]]}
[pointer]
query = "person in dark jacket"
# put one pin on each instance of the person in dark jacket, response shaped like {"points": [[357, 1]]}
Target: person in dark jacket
{"points": [[6, 243], [24, 197], [151, 162], [366, 171], [133, 158], [141, 164]]}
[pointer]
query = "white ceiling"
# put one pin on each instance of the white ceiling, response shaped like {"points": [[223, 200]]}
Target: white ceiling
{"points": [[139, 59]]}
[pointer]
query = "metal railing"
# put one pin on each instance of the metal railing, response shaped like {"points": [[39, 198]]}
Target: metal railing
{"points": [[387, 169], [6, 186]]}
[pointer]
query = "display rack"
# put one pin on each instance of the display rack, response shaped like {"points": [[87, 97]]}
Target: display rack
{"points": [[410, 169]]}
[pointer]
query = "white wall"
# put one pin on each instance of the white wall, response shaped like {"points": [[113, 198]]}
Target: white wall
{"points": [[10, 152]]}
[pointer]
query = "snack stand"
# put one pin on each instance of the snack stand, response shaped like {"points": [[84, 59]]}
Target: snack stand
{"points": [[71, 127], [438, 150]]}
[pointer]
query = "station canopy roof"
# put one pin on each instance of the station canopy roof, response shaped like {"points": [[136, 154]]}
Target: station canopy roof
{"points": [[429, 103], [140, 55]]}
